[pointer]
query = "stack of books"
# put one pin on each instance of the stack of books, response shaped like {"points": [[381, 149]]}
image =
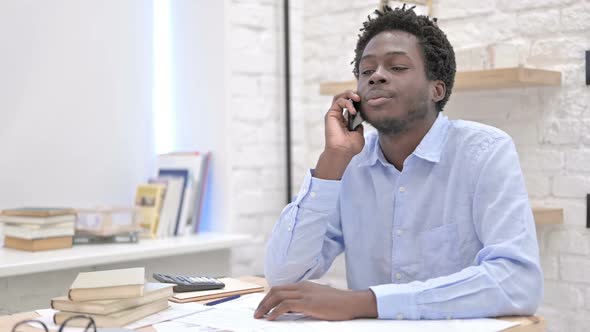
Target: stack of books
{"points": [[113, 298], [36, 228]]}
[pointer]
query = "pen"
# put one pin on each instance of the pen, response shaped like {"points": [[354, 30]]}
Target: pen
{"points": [[225, 299]]}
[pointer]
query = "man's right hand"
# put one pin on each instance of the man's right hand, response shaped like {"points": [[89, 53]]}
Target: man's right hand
{"points": [[341, 144]]}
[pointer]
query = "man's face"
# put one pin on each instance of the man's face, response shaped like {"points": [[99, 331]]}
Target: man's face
{"points": [[392, 82]]}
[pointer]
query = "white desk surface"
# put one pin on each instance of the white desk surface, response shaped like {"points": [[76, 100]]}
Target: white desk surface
{"points": [[16, 262]]}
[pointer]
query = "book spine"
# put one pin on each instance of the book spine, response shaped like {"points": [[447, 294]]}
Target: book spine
{"points": [[202, 193]]}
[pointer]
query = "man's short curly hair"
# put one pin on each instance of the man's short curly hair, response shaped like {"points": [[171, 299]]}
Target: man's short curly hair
{"points": [[437, 52]]}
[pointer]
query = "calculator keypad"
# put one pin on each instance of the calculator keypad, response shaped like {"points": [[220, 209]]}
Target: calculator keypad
{"points": [[190, 283]]}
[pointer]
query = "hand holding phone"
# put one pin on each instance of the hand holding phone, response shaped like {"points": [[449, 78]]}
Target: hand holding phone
{"points": [[341, 144], [354, 120]]}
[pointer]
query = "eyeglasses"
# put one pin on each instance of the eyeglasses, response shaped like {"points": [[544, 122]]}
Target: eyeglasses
{"points": [[90, 325]]}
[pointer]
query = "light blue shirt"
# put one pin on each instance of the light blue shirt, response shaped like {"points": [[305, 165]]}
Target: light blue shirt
{"points": [[451, 236]]}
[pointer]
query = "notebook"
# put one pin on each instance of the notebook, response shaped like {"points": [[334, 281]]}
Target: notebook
{"points": [[108, 285], [153, 291], [232, 287]]}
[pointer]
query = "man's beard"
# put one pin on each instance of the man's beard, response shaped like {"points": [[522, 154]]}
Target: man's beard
{"points": [[417, 110]]}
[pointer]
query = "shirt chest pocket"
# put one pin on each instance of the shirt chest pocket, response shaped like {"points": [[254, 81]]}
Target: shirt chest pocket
{"points": [[439, 251]]}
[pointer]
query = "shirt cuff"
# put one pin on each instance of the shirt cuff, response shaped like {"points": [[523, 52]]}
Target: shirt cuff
{"points": [[320, 195], [396, 301]]}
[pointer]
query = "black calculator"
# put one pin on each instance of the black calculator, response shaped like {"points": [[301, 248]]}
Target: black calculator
{"points": [[189, 283]]}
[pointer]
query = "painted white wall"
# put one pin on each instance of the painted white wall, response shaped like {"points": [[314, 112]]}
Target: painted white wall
{"points": [[200, 73], [76, 123], [75, 105]]}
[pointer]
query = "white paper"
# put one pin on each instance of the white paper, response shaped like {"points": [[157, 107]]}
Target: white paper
{"points": [[454, 325], [176, 326], [242, 320], [237, 316], [246, 302], [176, 310]]}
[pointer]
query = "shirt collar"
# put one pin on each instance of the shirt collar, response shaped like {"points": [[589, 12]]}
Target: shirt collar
{"points": [[430, 148]]}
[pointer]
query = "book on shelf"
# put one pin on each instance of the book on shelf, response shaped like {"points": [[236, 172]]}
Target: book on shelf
{"points": [[116, 319], [108, 285], [148, 199], [153, 291], [42, 212], [175, 177], [38, 244], [38, 220], [175, 182], [38, 228], [232, 287], [38, 215], [201, 192], [29, 233], [197, 164], [91, 238]]}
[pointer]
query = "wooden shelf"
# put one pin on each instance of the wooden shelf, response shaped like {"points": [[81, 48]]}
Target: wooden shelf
{"points": [[15, 262], [477, 80], [506, 78], [548, 216]]}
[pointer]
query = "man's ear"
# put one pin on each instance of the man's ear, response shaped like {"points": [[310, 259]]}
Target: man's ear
{"points": [[439, 90]]}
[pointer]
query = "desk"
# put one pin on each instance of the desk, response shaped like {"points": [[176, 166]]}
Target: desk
{"points": [[527, 324], [30, 279]]}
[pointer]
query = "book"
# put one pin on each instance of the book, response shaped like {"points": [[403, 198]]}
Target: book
{"points": [[38, 212], [90, 238], [116, 319], [40, 233], [193, 162], [201, 192], [149, 198], [71, 224], [108, 285], [38, 220], [38, 244], [184, 177], [232, 287], [172, 204], [153, 291]]}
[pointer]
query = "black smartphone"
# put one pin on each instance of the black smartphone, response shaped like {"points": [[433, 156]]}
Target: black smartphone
{"points": [[355, 120]]}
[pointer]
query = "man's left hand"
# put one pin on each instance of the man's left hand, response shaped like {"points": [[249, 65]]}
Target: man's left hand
{"points": [[318, 301]]}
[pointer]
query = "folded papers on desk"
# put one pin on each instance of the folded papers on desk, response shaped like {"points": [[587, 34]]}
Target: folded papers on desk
{"points": [[232, 287]]}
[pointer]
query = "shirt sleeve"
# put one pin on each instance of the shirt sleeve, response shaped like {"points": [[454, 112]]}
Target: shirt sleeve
{"points": [[505, 278], [308, 236]]}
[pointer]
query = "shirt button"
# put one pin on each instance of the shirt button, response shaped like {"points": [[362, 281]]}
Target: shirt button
{"points": [[400, 316], [398, 276], [399, 232], [402, 189], [312, 194]]}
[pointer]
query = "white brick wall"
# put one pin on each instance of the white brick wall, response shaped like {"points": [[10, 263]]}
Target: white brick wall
{"points": [[550, 126], [257, 120]]}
